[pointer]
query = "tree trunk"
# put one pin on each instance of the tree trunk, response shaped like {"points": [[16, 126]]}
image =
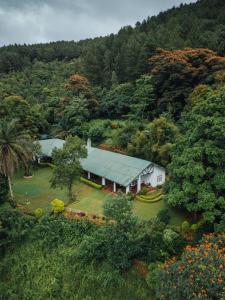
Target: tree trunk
{"points": [[13, 202], [70, 193]]}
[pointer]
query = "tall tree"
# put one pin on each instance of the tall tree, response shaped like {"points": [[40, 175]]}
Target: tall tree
{"points": [[67, 164], [155, 142], [177, 73], [15, 148], [197, 177]]}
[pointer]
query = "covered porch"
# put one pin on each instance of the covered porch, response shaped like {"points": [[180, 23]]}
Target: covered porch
{"points": [[112, 186]]}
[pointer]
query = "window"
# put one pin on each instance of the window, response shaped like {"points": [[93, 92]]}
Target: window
{"points": [[159, 178]]}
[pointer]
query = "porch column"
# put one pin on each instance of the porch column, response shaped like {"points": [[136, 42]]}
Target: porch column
{"points": [[139, 184], [114, 187], [89, 175], [103, 181], [127, 189]]}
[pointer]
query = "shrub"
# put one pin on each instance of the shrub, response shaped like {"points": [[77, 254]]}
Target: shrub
{"points": [[152, 277], [91, 183], [151, 196], [39, 212], [144, 191], [185, 226], [58, 206], [96, 133], [194, 227], [147, 200], [164, 216]]}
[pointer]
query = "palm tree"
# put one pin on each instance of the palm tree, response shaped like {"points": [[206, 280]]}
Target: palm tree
{"points": [[15, 148]]}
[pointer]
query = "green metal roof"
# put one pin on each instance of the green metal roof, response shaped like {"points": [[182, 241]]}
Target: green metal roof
{"points": [[47, 146], [115, 167]]}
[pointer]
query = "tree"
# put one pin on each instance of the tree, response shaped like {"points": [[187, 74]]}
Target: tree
{"points": [[116, 102], [73, 118], [177, 73], [15, 148], [144, 98], [79, 86], [155, 142], [197, 178], [4, 188], [199, 274], [67, 163], [15, 107]]}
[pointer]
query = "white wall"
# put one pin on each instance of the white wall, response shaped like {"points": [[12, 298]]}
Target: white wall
{"points": [[152, 177]]}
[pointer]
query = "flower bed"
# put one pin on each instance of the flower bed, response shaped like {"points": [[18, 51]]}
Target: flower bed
{"points": [[91, 183]]}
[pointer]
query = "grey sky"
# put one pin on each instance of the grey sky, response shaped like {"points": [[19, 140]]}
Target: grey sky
{"points": [[34, 21]]}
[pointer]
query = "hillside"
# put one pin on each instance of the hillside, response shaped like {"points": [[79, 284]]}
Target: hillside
{"points": [[123, 57]]}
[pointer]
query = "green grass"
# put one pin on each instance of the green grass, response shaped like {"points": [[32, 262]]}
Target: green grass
{"points": [[38, 193]]}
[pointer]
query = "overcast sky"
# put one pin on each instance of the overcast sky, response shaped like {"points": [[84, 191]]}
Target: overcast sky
{"points": [[34, 21]]}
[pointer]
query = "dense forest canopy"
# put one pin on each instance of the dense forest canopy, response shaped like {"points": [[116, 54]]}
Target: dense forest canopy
{"points": [[154, 91], [123, 56]]}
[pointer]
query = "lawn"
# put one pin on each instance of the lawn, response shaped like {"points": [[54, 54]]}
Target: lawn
{"points": [[37, 192]]}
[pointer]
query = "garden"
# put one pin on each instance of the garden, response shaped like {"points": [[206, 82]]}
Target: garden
{"points": [[36, 192]]}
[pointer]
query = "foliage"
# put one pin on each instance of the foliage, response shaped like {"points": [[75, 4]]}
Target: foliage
{"points": [[91, 183], [39, 212], [164, 216], [144, 98], [58, 206], [144, 191], [149, 200], [14, 227], [67, 163], [199, 274], [185, 226], [4, 188], [177, 72], [196, 172], [16, 148], [155, 142], [123, 239], [96, 133], [52, 238]]}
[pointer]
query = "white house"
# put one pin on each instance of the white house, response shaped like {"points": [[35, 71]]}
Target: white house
{"points": [[118, 169]]}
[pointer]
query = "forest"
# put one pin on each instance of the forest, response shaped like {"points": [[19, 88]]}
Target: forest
{"points": [[155, 91]]}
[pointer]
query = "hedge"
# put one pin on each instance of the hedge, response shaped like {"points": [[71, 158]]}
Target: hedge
{"points": [[156, 199], [91, 183], [46, 164], [151, 196]]}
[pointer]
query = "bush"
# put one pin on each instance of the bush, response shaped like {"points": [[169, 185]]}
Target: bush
{"points": [[46, 165], [185, 226], [194, 227], [96, 133], [151, 196], [39, 212], [58, 206], [152, 277], [144, 191], [91, 183], [147, 200], [164, 216]]}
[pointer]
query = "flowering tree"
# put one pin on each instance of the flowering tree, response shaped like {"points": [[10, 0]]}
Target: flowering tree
{"points": [[199, 274]]}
